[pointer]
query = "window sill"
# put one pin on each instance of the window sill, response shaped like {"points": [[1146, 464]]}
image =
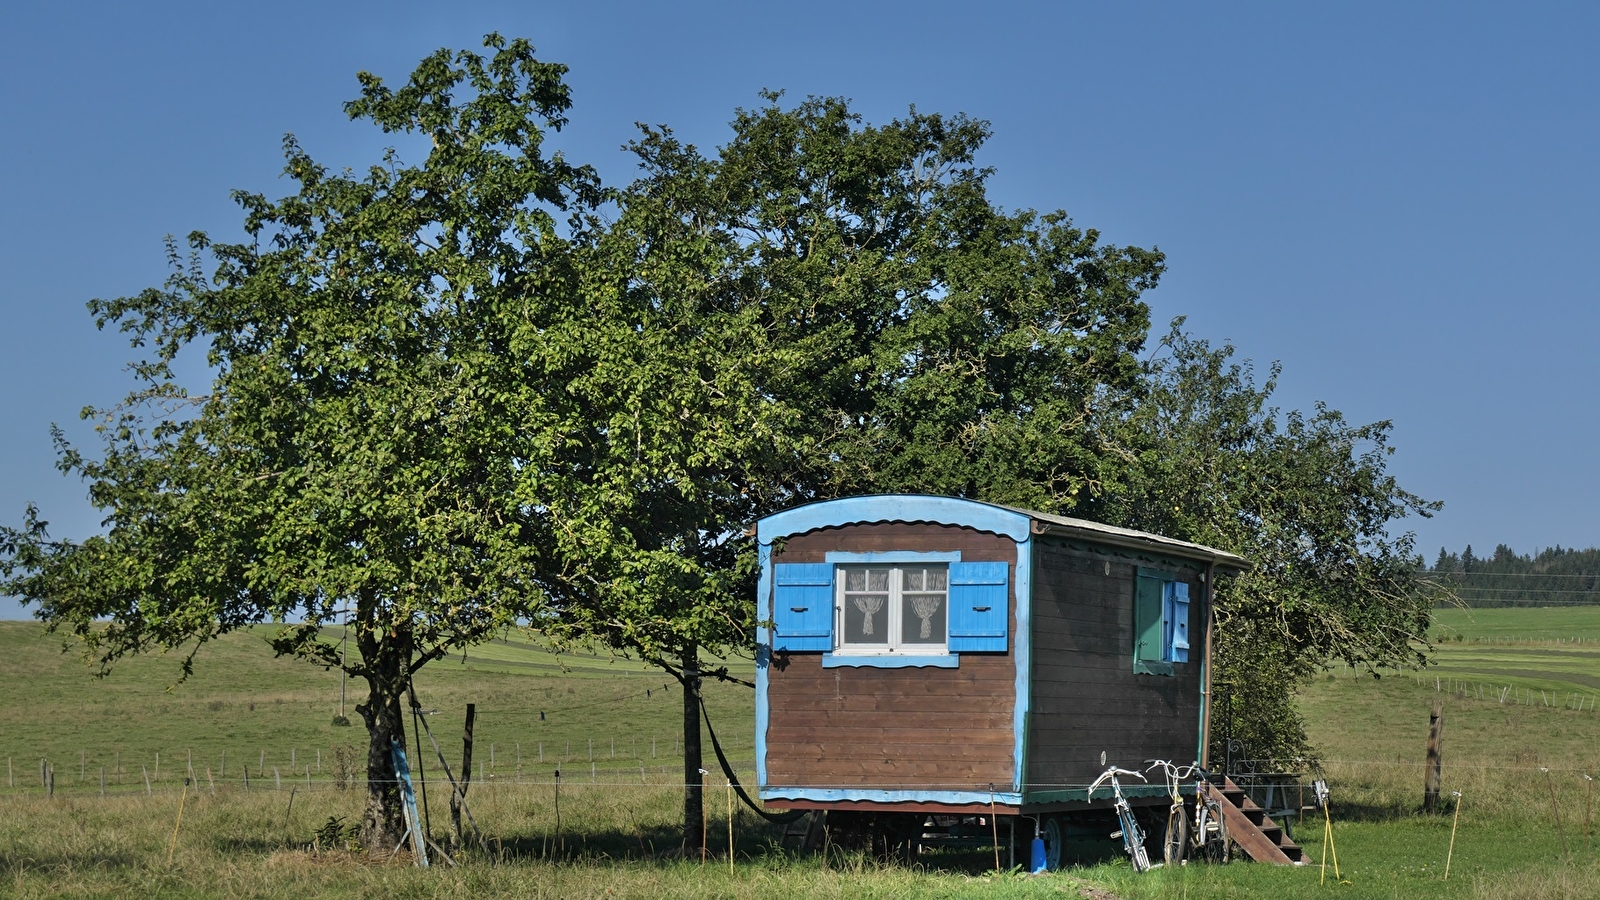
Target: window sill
{"points": [[1152, 667], [891, 660]]}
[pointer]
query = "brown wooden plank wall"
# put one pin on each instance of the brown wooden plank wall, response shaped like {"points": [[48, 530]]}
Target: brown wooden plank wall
{"points": [[893, 729], [1085, 695]]}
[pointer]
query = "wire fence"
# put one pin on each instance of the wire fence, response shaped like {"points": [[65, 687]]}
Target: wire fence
{"points": [[670, 778], [1514, 695], [343, 768]]}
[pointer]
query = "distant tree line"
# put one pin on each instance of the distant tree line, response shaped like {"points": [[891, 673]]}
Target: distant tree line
{"points": [[1555, 576]]}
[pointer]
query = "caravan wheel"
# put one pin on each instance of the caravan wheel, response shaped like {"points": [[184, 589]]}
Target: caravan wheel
{"points": [[1052, 843]]}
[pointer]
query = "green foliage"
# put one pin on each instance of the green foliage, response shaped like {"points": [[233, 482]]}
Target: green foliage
{"points": [[950, 347], [366, 433], [1307, 499], [822, 307], [335, 835]]}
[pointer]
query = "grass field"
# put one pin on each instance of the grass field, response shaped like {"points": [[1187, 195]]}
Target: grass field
{"points": [[534, 709], [616, 831]]}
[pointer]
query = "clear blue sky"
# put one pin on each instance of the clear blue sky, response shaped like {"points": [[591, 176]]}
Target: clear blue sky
{"points": [[1397, 203]]}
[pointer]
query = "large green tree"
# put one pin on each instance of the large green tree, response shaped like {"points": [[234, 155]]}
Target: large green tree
{"points": [[372, 417], [668, 451], [1307, 498], [820, 307]]}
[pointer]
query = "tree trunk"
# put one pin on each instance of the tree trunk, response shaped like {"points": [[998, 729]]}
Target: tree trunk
{"points": [[464, 781], [694, 792], [382, 822]]}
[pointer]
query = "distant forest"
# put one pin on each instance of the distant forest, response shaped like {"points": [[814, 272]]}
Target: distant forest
{"points": [[1554, 577]]}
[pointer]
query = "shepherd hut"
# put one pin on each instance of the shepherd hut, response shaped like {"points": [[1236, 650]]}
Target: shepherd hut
{"points": [[936, 656]]}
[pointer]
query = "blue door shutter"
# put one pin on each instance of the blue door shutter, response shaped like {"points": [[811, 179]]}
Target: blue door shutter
{"points": [[979, 606], [1177, 610], [802, 606]]}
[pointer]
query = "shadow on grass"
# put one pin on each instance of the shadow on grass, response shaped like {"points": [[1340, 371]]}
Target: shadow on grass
{"points": [[663, 845], [754, 842], [14, 863], [1378, 813]]}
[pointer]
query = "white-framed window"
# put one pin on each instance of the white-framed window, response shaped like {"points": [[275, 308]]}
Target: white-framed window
{"points": [[894, 608]]}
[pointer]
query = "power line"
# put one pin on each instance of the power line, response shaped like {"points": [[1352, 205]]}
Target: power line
{"points": [[1510, 574], [1531, 603], [1521, 591]]}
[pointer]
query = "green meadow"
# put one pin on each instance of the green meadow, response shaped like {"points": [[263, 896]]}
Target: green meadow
{"points": [[610, 726], [536, 712], [1555, 651]]}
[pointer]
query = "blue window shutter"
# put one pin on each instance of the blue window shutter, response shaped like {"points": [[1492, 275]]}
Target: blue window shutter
{"points": [[802, 606], [1177, 621], [1166, 621], [980, 608]]}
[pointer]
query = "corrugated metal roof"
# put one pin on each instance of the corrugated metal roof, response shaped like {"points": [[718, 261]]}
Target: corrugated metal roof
{"points": [[1126, 537]]}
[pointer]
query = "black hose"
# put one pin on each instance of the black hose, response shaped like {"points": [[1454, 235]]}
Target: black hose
{"points": [[776, 818]]}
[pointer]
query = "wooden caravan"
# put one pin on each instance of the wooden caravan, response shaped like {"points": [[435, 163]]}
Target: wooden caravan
{"points": [[940, 656]]}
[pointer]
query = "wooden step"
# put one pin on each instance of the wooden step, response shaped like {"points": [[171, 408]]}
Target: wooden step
{"points": [[1249, 826], [804, 834]]}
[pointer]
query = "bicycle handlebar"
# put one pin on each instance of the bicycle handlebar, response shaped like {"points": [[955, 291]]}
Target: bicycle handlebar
{"points": [[1174, 771], [1112, 774]]}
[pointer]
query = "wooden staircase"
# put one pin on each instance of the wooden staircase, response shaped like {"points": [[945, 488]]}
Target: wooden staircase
{"points": [[804, 835], [1249, 826]]}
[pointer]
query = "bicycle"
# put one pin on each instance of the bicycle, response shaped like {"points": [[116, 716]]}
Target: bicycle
{"points": [[1174, 843], [1207, 838], [1132, 836], [1210, 835]]}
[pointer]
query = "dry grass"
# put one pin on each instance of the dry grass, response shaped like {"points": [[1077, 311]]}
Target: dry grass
{"points": [[618, 838], [234, 845]]}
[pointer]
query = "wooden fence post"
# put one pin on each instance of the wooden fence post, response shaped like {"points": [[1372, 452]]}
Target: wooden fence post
{"points": [[1432, 773]]}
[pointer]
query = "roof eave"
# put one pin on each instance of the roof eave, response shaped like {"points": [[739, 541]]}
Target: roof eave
{"points": [[1219, 558]]}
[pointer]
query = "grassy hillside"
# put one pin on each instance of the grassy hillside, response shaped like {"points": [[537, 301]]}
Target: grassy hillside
{"points": [[1520, 653], [245, 706], [613, 836]]}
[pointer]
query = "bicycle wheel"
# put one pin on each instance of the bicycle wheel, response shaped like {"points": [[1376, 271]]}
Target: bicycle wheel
{"points": [[1215, 844], [1176, 838], [1133, 839], [1141, 859]]}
